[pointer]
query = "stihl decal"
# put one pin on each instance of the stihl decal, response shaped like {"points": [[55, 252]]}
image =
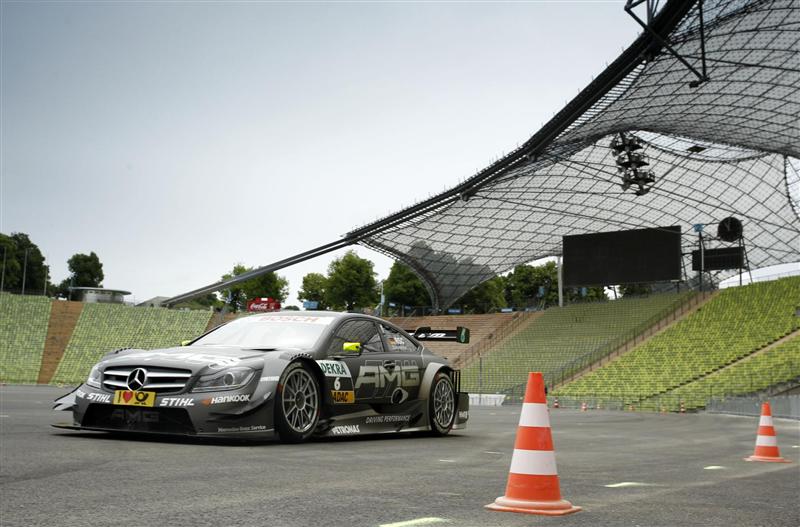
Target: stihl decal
{"points": [[176, 401], [94, 397]]}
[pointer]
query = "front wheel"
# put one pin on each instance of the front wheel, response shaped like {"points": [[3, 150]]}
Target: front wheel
{"points": [[442, 404], [297, 405]]}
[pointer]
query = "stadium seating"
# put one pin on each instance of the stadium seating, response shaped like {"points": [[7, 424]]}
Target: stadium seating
{"points": [[773, 366], [23, 330], [105, 327], [563, 335], [736, 323]]}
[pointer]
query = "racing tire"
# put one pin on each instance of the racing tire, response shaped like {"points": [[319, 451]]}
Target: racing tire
{"points": [[297, 404], [442, 405]]}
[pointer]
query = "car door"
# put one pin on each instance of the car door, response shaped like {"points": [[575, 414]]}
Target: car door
{"points": [[403, 357], [366, 370]]}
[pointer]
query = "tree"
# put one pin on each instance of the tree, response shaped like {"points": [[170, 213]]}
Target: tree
{"points": [[24, 261], [636, 289], [351, 283], [267, 285], [404, 287], [529, 285], [487, 297], [314, 287], [9, 266], [85, 270]]}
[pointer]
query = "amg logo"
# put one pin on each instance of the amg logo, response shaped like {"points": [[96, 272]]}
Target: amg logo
{"points": [[403, 375], [132, 417]]}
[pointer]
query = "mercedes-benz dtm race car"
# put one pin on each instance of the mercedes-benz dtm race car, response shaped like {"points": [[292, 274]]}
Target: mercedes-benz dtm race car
{"points": [[294, 375]]}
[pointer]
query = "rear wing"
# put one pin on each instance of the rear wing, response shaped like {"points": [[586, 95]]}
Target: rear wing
{"points": [[460, 334]]}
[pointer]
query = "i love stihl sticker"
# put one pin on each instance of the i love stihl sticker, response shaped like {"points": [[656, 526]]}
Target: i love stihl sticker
{"points": [[131, 398]]}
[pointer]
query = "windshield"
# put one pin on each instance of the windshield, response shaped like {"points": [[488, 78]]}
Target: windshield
{"points": [[269, 332]]}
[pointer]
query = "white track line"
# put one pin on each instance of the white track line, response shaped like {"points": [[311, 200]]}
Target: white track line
{"points": [[713, 467], [628, 484], [414, 523]]}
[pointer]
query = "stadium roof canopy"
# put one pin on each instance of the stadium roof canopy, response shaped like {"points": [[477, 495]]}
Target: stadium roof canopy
{"points": [[728, 145], [711, 90]]}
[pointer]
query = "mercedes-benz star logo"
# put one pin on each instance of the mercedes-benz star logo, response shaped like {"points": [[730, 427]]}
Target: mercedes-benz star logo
{"points": [[137, 379]]}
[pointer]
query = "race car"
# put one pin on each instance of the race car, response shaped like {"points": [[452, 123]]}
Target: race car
{"points": [[294, 375]]}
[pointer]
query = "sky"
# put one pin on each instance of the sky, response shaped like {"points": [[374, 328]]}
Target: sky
{"points": [[175, 139]]}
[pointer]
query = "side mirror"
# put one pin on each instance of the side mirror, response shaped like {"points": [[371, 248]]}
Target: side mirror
{"points": [[185, 342], [351, 348]]}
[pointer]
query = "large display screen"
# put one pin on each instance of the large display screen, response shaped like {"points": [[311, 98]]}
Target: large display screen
{"points": [[622, 257]]}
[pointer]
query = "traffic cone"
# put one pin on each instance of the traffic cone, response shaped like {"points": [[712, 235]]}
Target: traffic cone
{"points": [[683, 408], [555, 404], [766, 440], [533, 486], [583, 407]]}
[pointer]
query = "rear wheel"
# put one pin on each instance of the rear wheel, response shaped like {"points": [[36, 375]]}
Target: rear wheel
{"points": [[297, 405], [442, 404]]}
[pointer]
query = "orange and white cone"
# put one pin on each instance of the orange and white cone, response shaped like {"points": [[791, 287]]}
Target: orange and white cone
{"points": [[555, 404], [766, 440], [583, 407], [533, 486]]}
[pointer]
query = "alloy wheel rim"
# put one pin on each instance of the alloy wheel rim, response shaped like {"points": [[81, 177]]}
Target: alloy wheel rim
{"points": [[300, 401], [443, 403]]}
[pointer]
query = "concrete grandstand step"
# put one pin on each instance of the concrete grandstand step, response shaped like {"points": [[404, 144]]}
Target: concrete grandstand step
{"points": [[63, 318]]}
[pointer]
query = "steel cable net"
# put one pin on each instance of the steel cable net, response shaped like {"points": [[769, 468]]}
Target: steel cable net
{"points": [[728, 147]]}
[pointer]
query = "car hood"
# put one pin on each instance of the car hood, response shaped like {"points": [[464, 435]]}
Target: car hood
{"points": [[194, 358]]}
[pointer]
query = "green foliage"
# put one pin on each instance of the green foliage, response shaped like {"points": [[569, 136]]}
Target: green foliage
{"points": [[404, 287], [524, 282], [636, 289], [201, 303], [35, 273], [85, 270], [351, 283], [314, 287], [487, 297], [267, 285]]}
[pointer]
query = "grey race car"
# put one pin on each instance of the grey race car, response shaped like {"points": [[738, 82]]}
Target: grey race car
{"points": [[296, 375]]}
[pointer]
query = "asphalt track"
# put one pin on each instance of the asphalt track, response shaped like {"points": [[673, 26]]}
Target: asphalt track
{"points": [[61, 478]]}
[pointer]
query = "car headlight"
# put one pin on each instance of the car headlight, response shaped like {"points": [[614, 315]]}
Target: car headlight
{"points": [[228, 379], [94, 377]]}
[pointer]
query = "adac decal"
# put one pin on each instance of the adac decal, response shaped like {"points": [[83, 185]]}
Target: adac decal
{"points": [[134, 398], [344, 430], [334, 368], [404, 374], [240, 398], [463, 415], [176, 401], [94, 397], [343, 396]]}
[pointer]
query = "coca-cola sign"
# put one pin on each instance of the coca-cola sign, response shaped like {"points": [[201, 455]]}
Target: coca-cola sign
{"points": [[263, 305]]}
